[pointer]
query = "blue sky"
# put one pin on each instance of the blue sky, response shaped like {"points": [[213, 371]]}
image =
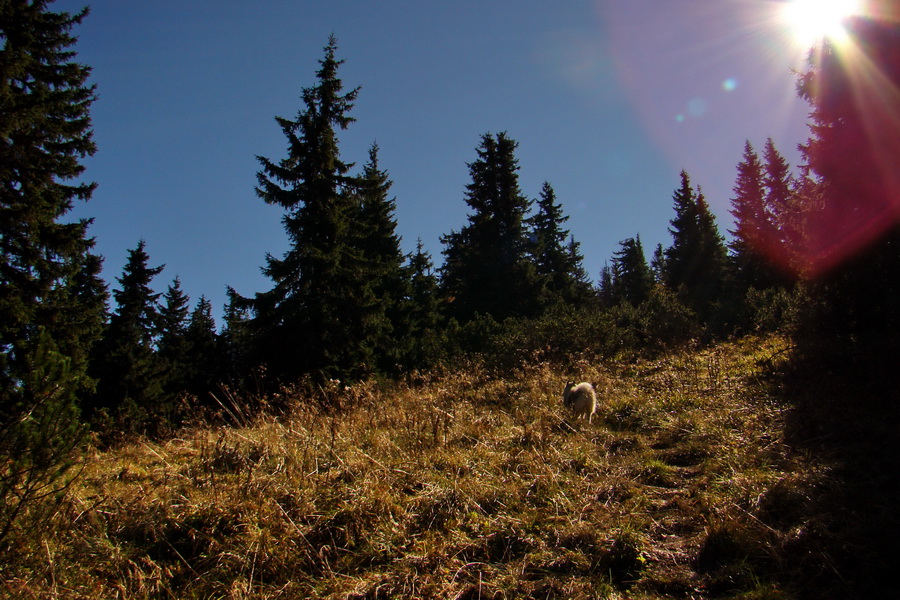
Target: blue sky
{"points": [[608, 99]]}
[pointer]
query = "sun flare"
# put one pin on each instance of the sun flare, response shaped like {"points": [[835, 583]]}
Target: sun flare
{"points": [[810, 21]]}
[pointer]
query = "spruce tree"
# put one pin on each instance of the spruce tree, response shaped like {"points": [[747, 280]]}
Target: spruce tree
{"points": [[780, 203], [632, 280], [204, 357], [806, 201], [695, 262], [486, 264], [847, 346], [322, 315], [381, 266], [557, 262], [852, 220], [607, 289], [418, 335], [658, 264], [129, 371], [583, 290], [376, 224], [236, 339], [172, 346], [709, 294], [682, 257], [423, 289], [173, 320], [52, 299], [753, 233]]}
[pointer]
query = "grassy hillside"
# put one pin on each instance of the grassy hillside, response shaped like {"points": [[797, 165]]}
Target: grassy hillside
{"points": [[465, 485]]}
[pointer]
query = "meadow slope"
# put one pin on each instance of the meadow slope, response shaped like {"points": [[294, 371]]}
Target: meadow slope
{"points": [[463, 484]]}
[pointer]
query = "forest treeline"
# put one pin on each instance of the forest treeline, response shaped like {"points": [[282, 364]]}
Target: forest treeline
{"points": [[346, 303]]}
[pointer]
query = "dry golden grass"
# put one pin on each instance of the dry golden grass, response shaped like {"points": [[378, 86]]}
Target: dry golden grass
{"points": [[464, 485]]}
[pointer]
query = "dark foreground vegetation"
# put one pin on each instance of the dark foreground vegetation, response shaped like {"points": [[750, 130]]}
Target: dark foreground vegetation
{"points": [[374, 426]]}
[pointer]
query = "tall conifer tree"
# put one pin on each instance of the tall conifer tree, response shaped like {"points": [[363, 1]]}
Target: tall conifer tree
{"points": [[557, 262], [418, 331], [607, 288], [632, 280], [173, 320], [487, 269], [584, 290], [848, 341], [682, 257], [376, 223], [708, 294], [852, 219], [753, 232], [322, 315], [172, 346], [52, 299], [204, 357], [423, 289], [658, 264], [782, 207], [381, 269], [236, 338], [766, 228], [695, 263], [129, 371]]}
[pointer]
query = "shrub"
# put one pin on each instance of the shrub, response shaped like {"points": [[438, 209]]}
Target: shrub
{"points": [[663, 320], [563, 335], [771, 309], [40, 434]]}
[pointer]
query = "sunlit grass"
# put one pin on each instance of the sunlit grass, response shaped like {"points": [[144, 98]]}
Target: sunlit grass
{"points": [[467, 485]]}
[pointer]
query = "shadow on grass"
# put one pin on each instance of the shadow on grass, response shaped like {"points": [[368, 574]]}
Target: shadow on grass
{"points": [[846, 418]]}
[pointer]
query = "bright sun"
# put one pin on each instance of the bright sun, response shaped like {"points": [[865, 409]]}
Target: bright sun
{"points": [[812, 20]]}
